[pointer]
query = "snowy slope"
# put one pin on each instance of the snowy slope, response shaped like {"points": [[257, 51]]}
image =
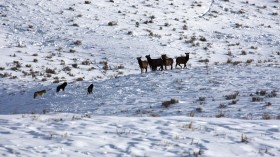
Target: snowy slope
{"points": [[47, 31], [143, 94], [83, 135], [232, 75]]}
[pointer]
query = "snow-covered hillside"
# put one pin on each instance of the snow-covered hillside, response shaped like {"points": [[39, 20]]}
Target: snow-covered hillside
{"points": [[230, 87], [75, 39], [83, 135]]}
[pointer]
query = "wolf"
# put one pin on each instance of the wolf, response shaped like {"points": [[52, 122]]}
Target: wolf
{"points": [[62, 86], [89, 89], [39, 93]]}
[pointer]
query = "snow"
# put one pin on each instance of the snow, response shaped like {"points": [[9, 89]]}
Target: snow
{"points": [[228, 96], [84, 135]]}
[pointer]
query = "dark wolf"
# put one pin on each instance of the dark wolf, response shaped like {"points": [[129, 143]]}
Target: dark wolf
{"points": [[89, 89], [62, 86]]}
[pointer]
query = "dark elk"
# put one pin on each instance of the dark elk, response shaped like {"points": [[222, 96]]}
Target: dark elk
{"points": [[182, 60], [89, 89], [154, 63], [167, 61], [62, 86], [142, 64]]}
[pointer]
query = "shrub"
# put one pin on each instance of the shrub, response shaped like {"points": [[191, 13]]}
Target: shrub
{"points": [[2, 68], [49, 56], [120, 66], [222, 106], [244, 139], [16, 62], [201, 98], [78, 42], [71, 9], [249, 61], [257, 99], [154, 115], [203, 60], [67, 68], [261, 92], [229, 61], [91, 68], [233, 102], [56, 81], [185, 27], [105, 65], [268, 104], [129, 33], [75, 25], [13, 77], [5, 75], [14, 68], [59, 49], [87, 2], [45, 111], [199, 109], [49, 75], [278, 117], [254, 47], [189, 126], [236, 62], [266, 116], [229, 53], [50, 71], [79, 79], [220, 114], [169, 102], [191, 114], [273, 93], [62, 62], [75, 65], [202, 39], [35, 60], [72, 51], [28, 65], [137, 24], [166, 24], [232, 96], [112, 23], [86, 62], [243, 52]]}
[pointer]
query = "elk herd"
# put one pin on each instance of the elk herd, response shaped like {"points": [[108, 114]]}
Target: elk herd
{"points": [[160, 62]]}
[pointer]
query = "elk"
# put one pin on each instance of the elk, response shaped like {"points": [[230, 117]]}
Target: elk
{"points": [[167, 61], [154, 63], [142, 64], [182, 60]]}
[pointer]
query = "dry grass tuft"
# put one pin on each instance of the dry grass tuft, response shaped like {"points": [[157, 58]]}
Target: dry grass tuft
{"points": [[244, 139], [266, 116]]}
